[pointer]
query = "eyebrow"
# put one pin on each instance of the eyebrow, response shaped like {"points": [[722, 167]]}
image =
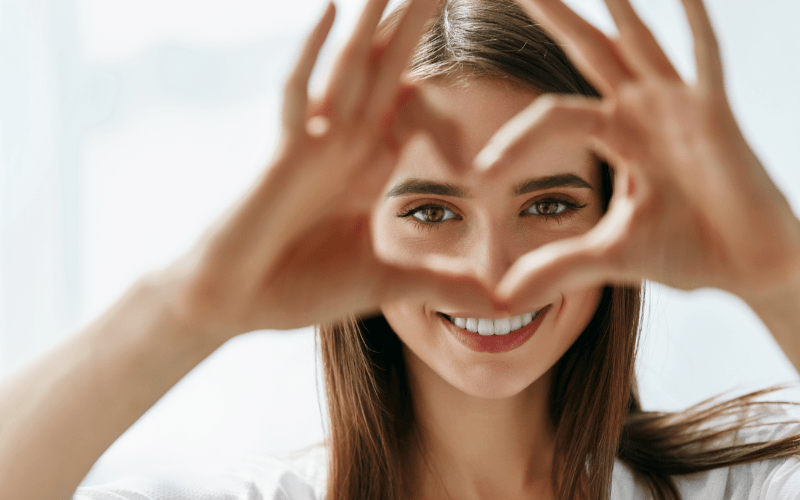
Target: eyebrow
{"points": [[421, 186], [549, 182]]}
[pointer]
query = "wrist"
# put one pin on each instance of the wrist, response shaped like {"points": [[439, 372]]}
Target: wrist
{"points": [[166, 292], [780, 302], [777, 284], [778, 306]]}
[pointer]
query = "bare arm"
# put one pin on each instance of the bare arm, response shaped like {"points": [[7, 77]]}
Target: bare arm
{"points": [[58, 415], [780, 312], [293, 251]]}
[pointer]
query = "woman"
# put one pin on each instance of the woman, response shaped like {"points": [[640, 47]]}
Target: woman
{"points": [[495, 276]]}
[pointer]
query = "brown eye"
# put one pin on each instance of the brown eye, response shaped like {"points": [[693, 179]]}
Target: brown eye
{"points": [[430, 214], [547, 208], [433, 214]]}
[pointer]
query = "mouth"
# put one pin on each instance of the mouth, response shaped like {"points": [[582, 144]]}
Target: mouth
{"points": [[494, 335], [487, 327]]}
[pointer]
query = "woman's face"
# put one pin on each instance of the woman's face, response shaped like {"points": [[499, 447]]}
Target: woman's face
{"points": [[428, 210]]}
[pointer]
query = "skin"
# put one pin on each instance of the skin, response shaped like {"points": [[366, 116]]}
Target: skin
{"points": [[257, 268], [483, 417]]}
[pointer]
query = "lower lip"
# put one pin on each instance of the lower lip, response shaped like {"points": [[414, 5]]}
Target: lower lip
{"points": [[495, 343]]}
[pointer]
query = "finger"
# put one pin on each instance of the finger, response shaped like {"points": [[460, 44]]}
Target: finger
{"points": [[589, 48], [349, 78], [418, 113], [447, 286], [296, 88], [706, 47], [394, 58], [642, 51], [598, 257], [318, 122], [538, 277], [547, 119]]}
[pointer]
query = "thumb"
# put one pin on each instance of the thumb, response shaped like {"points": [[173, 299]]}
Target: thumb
{"points": [[598, 257], [570, 264], [442, 281]]}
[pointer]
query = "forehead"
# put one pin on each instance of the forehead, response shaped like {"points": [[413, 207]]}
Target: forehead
{"points": [[479, 109]]}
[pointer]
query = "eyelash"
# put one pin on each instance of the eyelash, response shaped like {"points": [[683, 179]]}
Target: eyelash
{"points": [[423, 224], [570, 209]]}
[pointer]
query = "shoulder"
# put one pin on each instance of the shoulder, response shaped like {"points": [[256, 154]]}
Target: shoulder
{"points": [[300, 476], [777, 479], [773, 479]]}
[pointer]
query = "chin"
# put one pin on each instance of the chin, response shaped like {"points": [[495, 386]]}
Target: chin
{"points": [[495, 380]]}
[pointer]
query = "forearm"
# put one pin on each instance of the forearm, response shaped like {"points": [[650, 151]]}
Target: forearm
{"points": [[780, 312], [58, 415]]}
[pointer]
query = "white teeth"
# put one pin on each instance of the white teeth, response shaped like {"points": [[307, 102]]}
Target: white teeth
{"points": [[486, 327], [500, 326]]}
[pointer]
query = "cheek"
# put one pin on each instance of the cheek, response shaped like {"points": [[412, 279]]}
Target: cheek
{"points": [[430, 358], [402, 242], [392, 242], [413, 326], [575, 312]]}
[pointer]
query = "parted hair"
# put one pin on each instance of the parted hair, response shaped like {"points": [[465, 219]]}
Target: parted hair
{"points": [[594, 405]]}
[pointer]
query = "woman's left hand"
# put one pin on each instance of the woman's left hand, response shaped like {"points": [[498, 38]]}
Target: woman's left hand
{"points": [[692, 205]]}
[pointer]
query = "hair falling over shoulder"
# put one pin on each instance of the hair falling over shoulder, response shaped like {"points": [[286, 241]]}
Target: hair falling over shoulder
{"points": [[593, 400]]}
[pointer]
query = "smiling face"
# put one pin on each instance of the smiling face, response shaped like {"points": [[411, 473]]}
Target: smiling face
{"points": [[430, 211]]}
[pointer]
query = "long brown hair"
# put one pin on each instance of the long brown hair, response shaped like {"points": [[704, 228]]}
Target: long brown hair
{"points": [[593, 399]]}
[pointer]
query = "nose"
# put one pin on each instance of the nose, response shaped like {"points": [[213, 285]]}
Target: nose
{"points": [[492, 254]]}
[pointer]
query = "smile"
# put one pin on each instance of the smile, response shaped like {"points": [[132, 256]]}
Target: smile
{"points": [[493, 335], [502, 326]]}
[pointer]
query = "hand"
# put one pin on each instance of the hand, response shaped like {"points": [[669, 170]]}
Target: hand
{"points": [[692, 205], [297, 250]]}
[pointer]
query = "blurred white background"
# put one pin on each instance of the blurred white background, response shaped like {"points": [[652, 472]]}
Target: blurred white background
{"points": [[126, 127]]}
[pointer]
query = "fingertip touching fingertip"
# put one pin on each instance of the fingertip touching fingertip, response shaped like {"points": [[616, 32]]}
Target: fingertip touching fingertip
{"points": [[486, 162], [483, 161]]}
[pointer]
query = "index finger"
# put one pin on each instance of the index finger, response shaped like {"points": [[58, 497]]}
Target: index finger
{"points": [[394, 58], [592, 51]]}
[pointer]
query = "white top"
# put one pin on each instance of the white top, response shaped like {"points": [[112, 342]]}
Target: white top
{"points": [[303, 478], [254, 478]]}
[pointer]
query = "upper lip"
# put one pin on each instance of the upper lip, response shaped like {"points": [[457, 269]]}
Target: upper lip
{"points": [[493, 316]]}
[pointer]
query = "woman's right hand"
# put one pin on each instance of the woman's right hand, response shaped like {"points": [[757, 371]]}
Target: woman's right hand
{"points": [[296, 250]]}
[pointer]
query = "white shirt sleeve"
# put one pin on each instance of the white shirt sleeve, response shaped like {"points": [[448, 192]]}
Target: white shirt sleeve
{"points": [[254, 479], [783, 481], [776, 479]]}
